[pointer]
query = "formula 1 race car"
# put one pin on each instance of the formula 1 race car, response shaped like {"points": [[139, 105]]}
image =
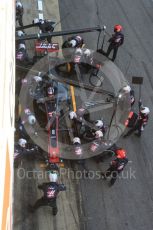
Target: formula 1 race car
{"points": [[48, 97]]}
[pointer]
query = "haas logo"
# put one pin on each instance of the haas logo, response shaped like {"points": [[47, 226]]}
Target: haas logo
{"points": [[120, 167], [118, 40], [47, 46], [50, 193]]}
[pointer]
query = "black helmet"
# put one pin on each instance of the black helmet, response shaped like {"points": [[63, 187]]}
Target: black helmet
{"points": [[53, 167]]}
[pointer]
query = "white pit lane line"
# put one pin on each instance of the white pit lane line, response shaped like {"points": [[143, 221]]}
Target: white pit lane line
{"points": [[40, 8], [40, 5], [41, 16]]}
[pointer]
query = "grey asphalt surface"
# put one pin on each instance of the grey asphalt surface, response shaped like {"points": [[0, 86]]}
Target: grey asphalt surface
{"points": [[129, 203]]}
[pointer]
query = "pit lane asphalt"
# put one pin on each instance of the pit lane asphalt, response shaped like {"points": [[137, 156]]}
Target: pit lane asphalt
{"points": [[128, 204]]}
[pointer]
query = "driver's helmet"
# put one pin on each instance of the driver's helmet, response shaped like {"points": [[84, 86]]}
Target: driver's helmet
{"points": [[50, 91], [22, 142]]}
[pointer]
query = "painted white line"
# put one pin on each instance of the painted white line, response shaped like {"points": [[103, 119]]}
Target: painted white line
{"points": [[40, 8], [41, 16], [40, 5]]}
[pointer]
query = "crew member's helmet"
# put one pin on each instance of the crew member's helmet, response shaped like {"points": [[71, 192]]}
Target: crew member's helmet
{"points": [[72, 43], [53, 167], [99, 124], [99, 134], [72, 115], [53, 177], [79, 38], [35, 20], [87, 52], [50, 91], [145, 110], [20, 33], [37, 78], [22, 142], [121, 153], [127, 88], [22, 46], [76, 141], [77, 144], [117, 28], [79, 51], [18, 5], [31, 119]]}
